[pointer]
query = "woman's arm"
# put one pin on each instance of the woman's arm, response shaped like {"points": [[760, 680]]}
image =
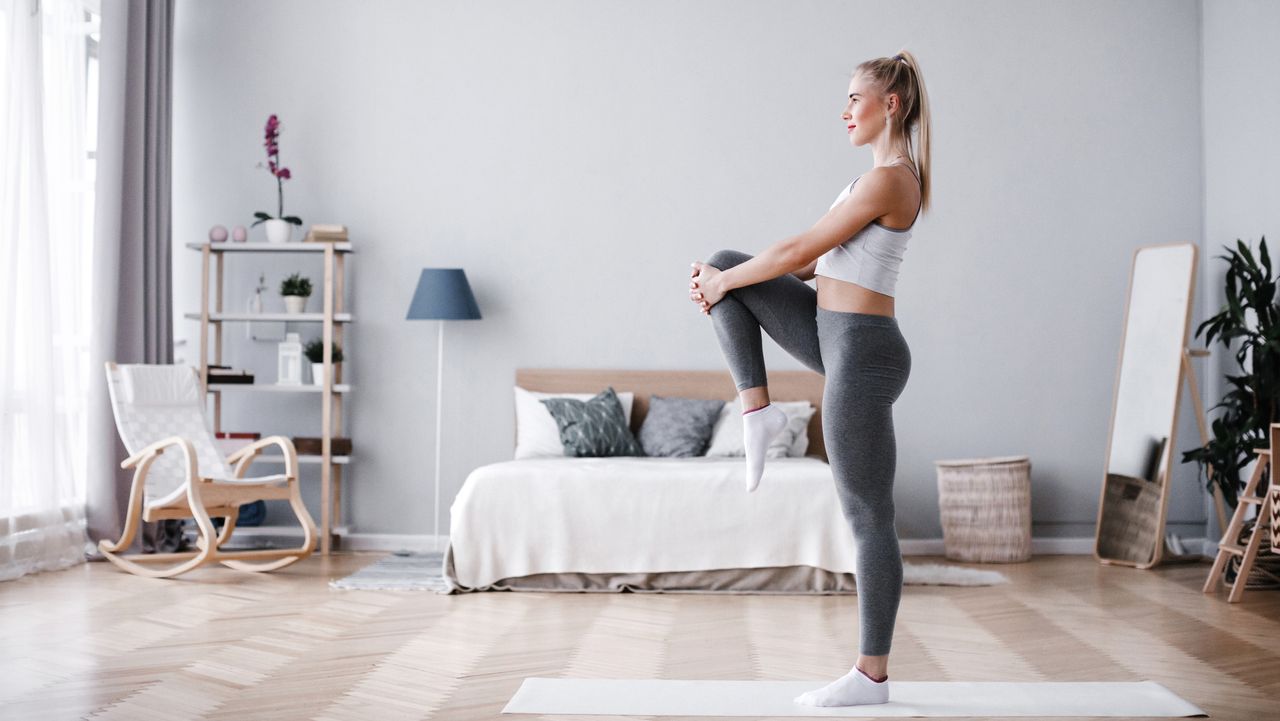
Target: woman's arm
{"points": [[807, 272], [777, 260], [871, 198]]}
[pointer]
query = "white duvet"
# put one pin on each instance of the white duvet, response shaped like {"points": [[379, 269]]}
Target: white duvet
{"points": [[637, 515]]}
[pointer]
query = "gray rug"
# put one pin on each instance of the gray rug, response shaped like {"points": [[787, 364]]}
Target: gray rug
{"points": [[400, 571], [405, 571]]}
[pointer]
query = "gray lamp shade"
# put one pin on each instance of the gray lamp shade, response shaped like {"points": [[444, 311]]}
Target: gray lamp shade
{"points": [[443, 294]]}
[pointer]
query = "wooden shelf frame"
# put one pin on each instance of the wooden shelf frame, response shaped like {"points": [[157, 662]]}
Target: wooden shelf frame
{"points": [[270, 317], [294, 247], [332, 391]]}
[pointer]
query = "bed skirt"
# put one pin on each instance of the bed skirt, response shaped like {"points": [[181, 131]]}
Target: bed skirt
{"points": [[788, 580]]}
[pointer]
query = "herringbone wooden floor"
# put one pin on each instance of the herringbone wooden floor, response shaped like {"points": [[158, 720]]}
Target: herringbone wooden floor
{"points": [[92, 642]]}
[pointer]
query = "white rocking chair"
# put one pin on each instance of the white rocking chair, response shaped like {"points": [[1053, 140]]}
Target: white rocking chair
{"points": [[161, 407]]}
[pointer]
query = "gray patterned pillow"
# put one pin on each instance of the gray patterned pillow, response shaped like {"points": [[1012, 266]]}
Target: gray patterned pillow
{"points": [[678, 427], [593, 428]]}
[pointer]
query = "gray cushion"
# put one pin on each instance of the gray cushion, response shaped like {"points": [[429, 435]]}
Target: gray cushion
{"points": [[593, 428], [678, 427]]}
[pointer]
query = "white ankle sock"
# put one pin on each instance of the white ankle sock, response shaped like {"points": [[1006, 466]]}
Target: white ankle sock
{"points": [[852, 689], [759, 427]]}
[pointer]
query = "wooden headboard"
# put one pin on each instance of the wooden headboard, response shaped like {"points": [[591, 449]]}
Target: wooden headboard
{"points": [[783, 386]]}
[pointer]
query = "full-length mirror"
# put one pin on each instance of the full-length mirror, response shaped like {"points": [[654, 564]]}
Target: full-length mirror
{"points": [[1131, 511]]}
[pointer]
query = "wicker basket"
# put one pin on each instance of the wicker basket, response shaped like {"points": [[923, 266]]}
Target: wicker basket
{"points": [[985, 505], [1130, 515]]}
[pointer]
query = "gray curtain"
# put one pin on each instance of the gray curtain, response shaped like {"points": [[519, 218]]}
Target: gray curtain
{"points": [[133, 314]]}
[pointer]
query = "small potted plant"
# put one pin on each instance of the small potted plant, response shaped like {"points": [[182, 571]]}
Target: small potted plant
{"points": [[314, 351], [279, 228], [295, 290]]}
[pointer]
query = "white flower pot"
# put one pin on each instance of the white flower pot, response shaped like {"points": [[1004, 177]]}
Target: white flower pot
{"points": [[317, 373], [279, 231], [295, 303]]}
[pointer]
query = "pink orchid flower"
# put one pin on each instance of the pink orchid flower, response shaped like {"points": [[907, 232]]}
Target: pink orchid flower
{"points": [[272, 134]]}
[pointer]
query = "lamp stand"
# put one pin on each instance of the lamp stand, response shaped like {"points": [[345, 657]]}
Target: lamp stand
{"points": [[435, 531]]}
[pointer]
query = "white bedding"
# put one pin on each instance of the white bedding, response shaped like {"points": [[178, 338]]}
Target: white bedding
{"points": [[635, 515]]}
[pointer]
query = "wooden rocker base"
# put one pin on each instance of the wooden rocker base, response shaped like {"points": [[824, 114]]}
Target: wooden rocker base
{"points": [[139, 563]]}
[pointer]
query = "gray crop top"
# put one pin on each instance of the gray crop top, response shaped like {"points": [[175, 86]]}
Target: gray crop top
{"points": [[870, 258]]}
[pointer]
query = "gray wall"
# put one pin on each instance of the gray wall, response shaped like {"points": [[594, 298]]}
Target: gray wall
{"points": [[1241, 151], [574, 157]]}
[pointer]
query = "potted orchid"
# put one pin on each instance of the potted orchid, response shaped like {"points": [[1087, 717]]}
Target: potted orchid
{"points": [[279, 229]]}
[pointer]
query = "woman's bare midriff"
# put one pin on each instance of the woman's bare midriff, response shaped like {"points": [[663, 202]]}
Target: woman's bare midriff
{"points": [[846, 297]]}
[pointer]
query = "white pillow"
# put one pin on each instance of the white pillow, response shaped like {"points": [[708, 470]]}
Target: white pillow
{"points": [[537, 435], [792, 441], [799, 425]]}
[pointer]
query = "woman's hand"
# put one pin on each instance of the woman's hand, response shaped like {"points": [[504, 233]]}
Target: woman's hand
{"points": [[704, 289]]}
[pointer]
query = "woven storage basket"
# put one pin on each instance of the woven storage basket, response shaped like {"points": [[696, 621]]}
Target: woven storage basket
{"points": [[1130, 514], [985, 505]]}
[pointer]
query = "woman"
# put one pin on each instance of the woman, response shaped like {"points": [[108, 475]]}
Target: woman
{"points": [[847, 331]]}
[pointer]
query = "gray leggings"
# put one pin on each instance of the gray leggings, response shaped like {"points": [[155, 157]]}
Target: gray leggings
{"points": [[866, 363]]}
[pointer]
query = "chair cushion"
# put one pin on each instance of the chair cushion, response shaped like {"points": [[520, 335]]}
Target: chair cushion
{"points": [[159, 385], [178, 495], [154, 402]]}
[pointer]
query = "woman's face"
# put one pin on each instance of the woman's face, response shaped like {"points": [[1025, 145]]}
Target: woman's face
{"points": [[864, 113]]}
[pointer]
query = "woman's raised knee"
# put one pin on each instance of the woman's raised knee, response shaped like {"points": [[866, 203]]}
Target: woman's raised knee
{"points": [[725, 259]]}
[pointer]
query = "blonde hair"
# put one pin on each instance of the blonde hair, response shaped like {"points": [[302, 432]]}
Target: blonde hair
{"points": [[901, 75]]}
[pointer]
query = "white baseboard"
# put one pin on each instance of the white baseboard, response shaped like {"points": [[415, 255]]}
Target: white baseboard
{"points": [[393, 542], [350, 541], [1049, 546], [909, 546]]}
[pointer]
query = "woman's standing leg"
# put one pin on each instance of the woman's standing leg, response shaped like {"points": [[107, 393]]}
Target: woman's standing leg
{"points": [[868, 363]]}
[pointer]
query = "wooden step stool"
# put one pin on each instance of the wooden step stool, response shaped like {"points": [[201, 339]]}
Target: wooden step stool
{"points": [[1248, 552]]}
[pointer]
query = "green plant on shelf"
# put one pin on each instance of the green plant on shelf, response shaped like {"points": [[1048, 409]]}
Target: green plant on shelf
{"points": [[296, 285], [314, 351]]}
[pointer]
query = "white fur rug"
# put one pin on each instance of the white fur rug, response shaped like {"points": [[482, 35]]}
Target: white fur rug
{"points": [[941, 574]]}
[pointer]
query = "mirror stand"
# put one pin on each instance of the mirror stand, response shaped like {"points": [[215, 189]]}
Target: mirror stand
{"points": [[1219, 504]]}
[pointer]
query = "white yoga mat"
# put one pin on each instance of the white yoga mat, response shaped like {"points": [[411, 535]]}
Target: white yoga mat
{"points": [[650, 697]]}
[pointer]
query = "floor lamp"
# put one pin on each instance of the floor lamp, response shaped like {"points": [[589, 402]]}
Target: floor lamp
{"points": [[442, 294]]}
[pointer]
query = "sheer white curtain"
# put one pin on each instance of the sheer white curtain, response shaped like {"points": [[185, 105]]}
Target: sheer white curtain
{"points": [[46, 221]]}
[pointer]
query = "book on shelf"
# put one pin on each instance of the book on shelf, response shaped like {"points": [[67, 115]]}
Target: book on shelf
{"points": [[225, 374], [326, 233], [310, 446]]}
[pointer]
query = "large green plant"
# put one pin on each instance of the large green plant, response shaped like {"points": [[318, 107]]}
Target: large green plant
{"points": [[1250, 405]]}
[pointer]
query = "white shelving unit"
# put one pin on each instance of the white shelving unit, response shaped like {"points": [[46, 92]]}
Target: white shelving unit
{"points": [[332, 391], [262, 317], [274, 388]]}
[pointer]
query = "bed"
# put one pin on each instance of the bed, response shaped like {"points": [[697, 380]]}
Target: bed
{"points": [[644, 524]]}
